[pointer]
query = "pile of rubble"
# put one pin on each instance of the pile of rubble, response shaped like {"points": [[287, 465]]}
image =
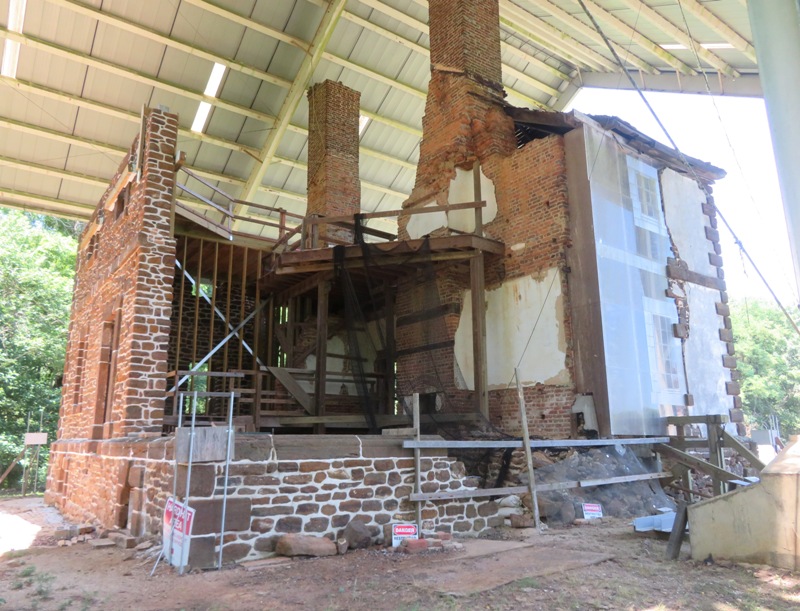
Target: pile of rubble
{"points": [[622, 500], [357, 536], [86, 533]]}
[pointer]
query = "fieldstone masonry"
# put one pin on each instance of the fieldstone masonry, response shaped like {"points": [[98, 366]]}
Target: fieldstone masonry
{"points": [[126, 483], [360, 481]]}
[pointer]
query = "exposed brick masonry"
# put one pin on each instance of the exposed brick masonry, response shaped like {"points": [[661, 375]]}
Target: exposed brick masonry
{"points": [[465, 123], [334, 188]]}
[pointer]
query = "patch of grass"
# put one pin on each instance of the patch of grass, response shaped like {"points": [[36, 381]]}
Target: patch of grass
{"points": [[65, 605], [44, 585], [27, 571], [17, 585], [14, 553], [527, 582], [88, 599]]}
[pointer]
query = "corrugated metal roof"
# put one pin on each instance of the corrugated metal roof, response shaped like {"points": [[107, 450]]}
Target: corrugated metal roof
{"points": [[70, 113]]}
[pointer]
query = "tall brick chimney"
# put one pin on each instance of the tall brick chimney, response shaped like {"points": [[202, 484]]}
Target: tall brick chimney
{"points": [[465, 37], [334, 188], [464, 118]]}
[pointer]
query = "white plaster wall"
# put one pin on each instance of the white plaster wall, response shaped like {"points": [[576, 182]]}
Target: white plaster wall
{"points": [[461, 191], [683, 201], [420, 225], [511, 314], [703, 353]]}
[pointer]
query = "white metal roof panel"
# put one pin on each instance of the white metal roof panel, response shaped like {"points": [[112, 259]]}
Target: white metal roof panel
{"points": [[369, 60]]}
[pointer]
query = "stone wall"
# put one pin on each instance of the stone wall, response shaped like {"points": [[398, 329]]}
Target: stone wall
{"points": [[114, 378], [277, 485], [121, 301]]}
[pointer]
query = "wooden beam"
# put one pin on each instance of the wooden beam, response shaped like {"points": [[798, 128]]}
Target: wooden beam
{"points": [[292, 386], [423, 315], [567, 485], [696, 463], [480, 368], [426, 348], [321, 378], [45, 170], [731, 442], [390, 348], [537, 443], [113, 111], [678, 532], [13, 464], [302, 287], [252, 24]]}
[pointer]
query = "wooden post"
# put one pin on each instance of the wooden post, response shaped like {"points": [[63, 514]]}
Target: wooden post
{"points": [[476, 187], [291, 314], [13, 464], [713, 432], [477, 287], [322, 353], [417, 460], [678, 532], [526, 442], [389, 349]]}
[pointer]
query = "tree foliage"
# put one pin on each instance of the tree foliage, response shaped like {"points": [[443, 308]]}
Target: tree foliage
{"points": [[37, 265], [768, 356]]}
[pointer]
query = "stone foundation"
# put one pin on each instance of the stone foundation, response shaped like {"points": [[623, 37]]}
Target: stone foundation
{"points": [[277, 485]]}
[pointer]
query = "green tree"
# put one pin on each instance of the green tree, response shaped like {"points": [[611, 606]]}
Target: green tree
{"points": [[37, 265], [768, 356]]}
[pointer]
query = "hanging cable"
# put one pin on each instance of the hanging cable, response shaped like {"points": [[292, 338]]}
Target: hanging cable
{"points": [[685, 161]]}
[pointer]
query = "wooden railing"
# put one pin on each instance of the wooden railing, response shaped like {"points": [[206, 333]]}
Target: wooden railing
{"points": [[311, 234], [294, 231], [225, 216]]}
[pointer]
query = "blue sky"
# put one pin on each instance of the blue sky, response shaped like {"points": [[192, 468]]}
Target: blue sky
{"points": [[733, 134]]}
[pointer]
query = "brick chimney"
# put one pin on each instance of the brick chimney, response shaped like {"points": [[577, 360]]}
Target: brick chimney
{"points": [[334, 188], [465, 37], [464, 118]]}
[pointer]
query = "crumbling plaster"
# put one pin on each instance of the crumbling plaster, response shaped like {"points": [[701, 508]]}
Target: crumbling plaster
{"points": [[525, 322]]}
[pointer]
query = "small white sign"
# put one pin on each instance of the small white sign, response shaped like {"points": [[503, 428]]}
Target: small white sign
{"points": [[177, 532], [592, 511], [35, 439], [403, 531]]}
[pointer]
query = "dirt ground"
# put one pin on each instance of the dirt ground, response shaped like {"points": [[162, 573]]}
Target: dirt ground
{"points": [[602, 566]]}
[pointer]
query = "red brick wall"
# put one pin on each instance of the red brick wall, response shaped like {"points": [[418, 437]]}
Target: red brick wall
{"points": [[464, 123], [334, 188]]}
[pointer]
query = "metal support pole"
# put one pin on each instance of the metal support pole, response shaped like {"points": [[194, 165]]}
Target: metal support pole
{"points": [[188, 469], [174, 490], [225, 484], [417, 461], [208, 356]]}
